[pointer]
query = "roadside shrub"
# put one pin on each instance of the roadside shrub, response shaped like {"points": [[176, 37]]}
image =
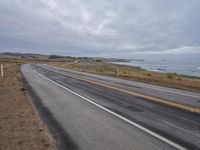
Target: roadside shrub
{"points": [[18, 78], [99, 70], [179, 78], [149, 74], [170, 76], [23, 88]]}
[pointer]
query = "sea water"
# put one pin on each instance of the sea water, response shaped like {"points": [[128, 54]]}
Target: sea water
{"points": [[180, 64]]}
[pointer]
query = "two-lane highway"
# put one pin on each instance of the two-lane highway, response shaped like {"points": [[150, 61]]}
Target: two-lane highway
{"points": [[99, 112]]}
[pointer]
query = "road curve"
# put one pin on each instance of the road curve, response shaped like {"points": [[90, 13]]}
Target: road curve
{"points": [[99, 117]]}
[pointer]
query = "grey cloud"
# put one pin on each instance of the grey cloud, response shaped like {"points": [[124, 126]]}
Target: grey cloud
{"points": [[99, 28]]}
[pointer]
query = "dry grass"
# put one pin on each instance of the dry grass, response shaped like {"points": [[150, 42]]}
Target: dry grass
{"points": [[20, 127]]}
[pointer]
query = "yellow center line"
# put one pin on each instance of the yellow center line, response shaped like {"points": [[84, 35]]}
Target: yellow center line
{"points": [[188, 108]]}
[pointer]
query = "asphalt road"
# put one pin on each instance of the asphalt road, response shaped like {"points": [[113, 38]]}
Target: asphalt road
{"points": [[96, 112]]}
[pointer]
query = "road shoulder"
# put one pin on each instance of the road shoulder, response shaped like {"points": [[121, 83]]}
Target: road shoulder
{"points": [[20, 127]]}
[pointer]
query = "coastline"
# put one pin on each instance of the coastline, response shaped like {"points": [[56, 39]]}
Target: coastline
{"points": [[181, 70]]}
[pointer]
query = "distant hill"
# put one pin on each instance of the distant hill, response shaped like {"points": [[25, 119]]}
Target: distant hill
{"points": [[58, 57], [22, 55], [42, 56]]}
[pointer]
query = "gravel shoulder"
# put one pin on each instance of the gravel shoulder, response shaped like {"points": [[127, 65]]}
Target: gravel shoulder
{"points": [[20, 125]]}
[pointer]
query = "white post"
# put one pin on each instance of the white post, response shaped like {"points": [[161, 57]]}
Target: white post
{"points": [[2, 70], [117, 71]]}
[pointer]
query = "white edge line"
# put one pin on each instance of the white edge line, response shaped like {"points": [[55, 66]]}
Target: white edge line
{"points": [[119, 116], [149, 86]]}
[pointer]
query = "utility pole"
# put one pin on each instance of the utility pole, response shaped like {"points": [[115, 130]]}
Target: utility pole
{"points": [[1, 70]]}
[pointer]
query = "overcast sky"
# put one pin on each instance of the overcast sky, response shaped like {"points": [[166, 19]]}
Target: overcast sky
{"points": [[108, 28]]}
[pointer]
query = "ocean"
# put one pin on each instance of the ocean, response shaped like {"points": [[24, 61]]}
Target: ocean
{"points": [[180, 64]]}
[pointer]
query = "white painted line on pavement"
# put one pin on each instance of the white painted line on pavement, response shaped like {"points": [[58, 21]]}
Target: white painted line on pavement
{"points": [[119, 116]]}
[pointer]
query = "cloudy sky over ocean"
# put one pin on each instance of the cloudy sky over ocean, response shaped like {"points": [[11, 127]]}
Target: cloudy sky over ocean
{"points": [[105, 28]]}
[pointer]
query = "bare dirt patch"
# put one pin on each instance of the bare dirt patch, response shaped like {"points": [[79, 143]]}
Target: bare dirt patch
{"points": [[20, 127]]}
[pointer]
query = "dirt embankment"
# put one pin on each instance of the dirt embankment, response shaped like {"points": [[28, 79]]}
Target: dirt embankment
{"points": [[20, 127]]}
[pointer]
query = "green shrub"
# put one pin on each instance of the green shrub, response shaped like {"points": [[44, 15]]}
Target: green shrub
{"points": [[149, 74], [170, 76]]}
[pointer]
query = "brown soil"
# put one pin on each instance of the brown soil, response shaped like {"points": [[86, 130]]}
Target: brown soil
{"points": [[20, 126]]}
